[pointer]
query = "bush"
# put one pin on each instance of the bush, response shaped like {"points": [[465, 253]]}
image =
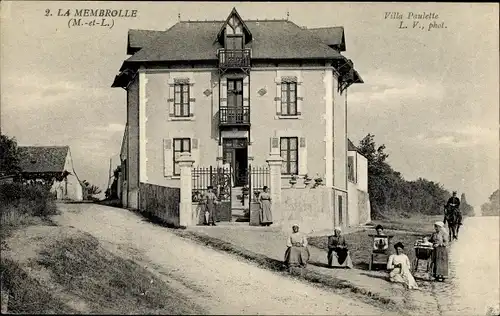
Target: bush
{"points": [[20, 201]]}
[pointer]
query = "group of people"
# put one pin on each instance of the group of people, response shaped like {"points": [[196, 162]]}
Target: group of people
{"points": [[297, 253], [398, 265], [210, 201]]}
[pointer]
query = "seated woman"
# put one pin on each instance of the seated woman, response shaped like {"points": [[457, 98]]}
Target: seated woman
{"points": [[296, 253], [380, 230], [439, 240], [338, 254], [399, 265]]}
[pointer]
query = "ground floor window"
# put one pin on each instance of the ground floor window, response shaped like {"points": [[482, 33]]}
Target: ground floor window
{"points": [[180, 145], [289, 152]]}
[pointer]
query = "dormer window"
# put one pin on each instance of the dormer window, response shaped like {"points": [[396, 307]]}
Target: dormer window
{"points": [[234, 42], [234, 34]]}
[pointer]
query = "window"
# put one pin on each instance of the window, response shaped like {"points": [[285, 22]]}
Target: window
{"points": [[341, 220], [289, 152], [181, 99], [350, 169], [180, 145], [234, 92], [288, 98], [234, 42], [125, 171]]}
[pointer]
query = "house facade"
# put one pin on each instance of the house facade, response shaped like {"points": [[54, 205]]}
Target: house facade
{"points": [[235, 92], [52, 165], [357, 187]]}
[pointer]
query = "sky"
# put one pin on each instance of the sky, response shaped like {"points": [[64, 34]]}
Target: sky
{"points": [[431, 96]]}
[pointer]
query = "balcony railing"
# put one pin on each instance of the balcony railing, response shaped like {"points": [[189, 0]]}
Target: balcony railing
{"points": [[234, 58], [234, 115]]}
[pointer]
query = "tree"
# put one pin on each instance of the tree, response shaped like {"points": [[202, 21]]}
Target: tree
{"points": [[90, 191], [466, 208], [391, 194], [9, 156], [492, 207]]}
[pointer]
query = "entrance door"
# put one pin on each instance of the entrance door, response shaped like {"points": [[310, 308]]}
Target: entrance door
{"points": [[235, 152]]}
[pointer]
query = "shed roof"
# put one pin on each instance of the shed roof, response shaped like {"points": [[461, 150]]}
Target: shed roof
{"points": [[43, 159]]}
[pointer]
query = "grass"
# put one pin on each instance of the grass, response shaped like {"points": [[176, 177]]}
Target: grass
{"points": [[326, 281], [418, 223], [23, 205], [27, 295], [108, 283]]}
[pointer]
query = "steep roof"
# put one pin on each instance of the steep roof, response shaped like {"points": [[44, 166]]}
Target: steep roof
{"points": [[332, 36], [351, 146], [194, 41], [42, 159]]}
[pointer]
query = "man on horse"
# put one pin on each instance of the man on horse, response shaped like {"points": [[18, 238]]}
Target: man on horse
{"points": [[453, 216], [453, 205]]}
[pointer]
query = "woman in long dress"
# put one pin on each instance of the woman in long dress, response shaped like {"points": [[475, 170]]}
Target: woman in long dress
{"points": [[399, 267], [338, 253], [266, 217], [296, 253], [439, 240]]}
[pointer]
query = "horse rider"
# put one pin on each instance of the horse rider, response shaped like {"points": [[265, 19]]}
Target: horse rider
{"points": [[453, 204]]}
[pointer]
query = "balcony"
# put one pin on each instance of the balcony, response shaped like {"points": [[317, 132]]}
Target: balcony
{"points": [[234, 116], [234, 58]]}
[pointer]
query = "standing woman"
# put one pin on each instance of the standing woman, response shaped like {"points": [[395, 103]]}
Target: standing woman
{"points": [[210, 202], [440, 255], [266, 217]]}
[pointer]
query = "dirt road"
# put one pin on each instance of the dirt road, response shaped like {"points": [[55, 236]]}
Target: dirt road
{"points": [[219, 282]]}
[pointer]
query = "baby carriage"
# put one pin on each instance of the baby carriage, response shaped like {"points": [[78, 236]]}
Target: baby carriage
{"points": [[423, 251]]}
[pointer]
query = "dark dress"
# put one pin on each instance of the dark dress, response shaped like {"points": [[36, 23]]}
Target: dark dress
{"points": [[338, 254]]}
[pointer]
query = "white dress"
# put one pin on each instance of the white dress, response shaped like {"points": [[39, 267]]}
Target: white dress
{"points": [[403, 274]]}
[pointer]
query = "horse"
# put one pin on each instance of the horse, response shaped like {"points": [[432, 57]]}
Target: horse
{"points": [[452, 217]]}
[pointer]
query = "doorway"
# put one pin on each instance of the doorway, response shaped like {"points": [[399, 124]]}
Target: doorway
{"points": [[235, 152]]}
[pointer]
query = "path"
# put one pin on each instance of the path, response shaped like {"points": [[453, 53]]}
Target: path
{"points": [[221, 283]]}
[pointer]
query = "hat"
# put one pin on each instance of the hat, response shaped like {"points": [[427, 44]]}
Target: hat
{"points": [[295, 225], [338, 228], [454, 192], [399, 245], [440, 224], [210, 187], [379, 227]]}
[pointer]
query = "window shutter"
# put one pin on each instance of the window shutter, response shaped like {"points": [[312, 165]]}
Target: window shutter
{"points": [[195, 151], [171, 96], [300, 95], [275, 145], [168, 168], [223, 92], [277, 98], [302, 156]]}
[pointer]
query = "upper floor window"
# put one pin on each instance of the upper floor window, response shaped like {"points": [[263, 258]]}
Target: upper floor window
{"points": [[234, 42], [290, 153], [181, 99], [234, 92], [289, 98], [180, 145]]}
